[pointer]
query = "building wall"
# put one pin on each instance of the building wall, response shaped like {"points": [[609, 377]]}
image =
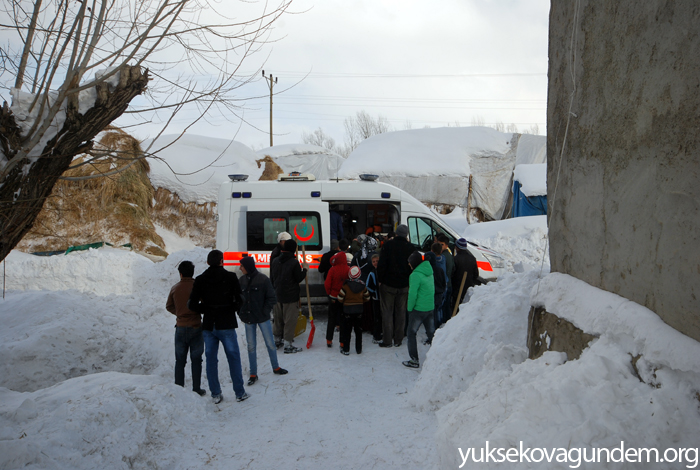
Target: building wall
{"points": [[624, 193]]}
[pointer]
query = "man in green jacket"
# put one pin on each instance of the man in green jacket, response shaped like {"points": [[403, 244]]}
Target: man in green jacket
{"points": [[420, 305]]}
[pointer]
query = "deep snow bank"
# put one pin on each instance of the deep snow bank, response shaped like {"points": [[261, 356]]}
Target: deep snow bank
{"points": [[485, 389], [97, 310]]}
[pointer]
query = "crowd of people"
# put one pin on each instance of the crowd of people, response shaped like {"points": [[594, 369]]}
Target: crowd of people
{"points": [[381, 286]]}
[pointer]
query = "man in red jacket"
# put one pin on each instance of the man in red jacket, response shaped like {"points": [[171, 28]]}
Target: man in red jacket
{"points": [[188, 329]]}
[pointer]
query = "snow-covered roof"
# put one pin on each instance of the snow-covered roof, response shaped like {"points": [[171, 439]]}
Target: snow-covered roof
{"points": [[425, 152], [195, 166], [532, 178], [305, 158]]}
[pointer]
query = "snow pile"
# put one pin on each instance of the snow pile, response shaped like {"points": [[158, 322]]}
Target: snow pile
{"points": [[532, 179], [106, 420], [194, 166], [495, 314], [305, 158], [522, 241], [484, 388], [97, 312]]}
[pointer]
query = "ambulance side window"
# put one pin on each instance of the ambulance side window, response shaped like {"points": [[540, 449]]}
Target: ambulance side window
{"points": [[422, 232], [262, 229]]}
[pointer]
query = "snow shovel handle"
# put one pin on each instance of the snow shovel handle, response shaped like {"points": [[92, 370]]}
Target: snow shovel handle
{"points": [[308, 298], [459, 295]]}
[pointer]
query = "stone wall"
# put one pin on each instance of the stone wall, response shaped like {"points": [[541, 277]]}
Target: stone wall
{"points": [[624, 193]]}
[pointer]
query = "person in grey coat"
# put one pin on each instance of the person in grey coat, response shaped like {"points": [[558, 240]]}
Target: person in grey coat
{"points": [[258, 299]]}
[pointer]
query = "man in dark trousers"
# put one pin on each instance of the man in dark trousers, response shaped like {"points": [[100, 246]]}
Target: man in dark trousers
{"points": [[258, 301], [393, 273], [464, 263], [217, 294], [286, 274], [188, 329]]}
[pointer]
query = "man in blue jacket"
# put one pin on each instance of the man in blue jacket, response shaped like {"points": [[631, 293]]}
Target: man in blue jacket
{"points": [[217, 294], [258, 300]]}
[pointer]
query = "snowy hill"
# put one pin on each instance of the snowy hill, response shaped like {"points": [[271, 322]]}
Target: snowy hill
{"points": [[193, 166]]}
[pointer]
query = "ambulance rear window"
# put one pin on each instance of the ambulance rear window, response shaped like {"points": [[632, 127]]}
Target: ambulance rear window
{"points": [[263, 228]]}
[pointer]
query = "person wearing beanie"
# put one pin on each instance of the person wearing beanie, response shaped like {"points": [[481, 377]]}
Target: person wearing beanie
{"points": [[258, 300], [352, 296], [281, 238], [286, 274], [216, 293], [465, 266], [335, 280], [420, 304], [392, 275], [325, 264], [188, 329], [446, 308]]}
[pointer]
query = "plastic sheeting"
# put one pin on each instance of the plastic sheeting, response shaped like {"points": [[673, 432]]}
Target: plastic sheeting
{"points": [[524, 205]]}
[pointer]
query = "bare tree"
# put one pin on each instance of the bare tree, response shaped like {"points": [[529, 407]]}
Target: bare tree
{"points": [[533, 129], [478, 121], [361, 127], [320, 138], [512, 127], [74, 67]]}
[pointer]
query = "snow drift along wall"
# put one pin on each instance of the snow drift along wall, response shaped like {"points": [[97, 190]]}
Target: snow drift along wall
{"points": [[627, 212]]}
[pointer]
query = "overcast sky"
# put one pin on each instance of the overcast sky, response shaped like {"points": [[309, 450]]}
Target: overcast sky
{"points": [[439, 63]]}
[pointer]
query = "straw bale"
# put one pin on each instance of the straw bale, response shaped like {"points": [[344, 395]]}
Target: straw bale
{"points": [[272, 170], [113, 208], [196, 221]]}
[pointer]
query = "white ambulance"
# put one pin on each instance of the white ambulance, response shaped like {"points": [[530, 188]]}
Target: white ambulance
{"points": [[252, 213]]}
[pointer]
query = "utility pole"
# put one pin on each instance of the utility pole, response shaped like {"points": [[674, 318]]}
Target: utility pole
{"points": [[271, 83]]}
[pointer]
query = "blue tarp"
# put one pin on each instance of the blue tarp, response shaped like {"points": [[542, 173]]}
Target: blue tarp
{"points": [[524, 206]]}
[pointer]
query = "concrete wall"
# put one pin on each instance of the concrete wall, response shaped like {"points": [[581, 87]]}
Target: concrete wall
{"points": [[625, 213]]}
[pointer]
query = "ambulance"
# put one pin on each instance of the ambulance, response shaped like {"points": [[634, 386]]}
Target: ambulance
{"points": [[252, 213]]}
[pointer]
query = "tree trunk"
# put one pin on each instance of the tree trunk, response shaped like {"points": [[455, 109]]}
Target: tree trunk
{"points": [[22, 195]]}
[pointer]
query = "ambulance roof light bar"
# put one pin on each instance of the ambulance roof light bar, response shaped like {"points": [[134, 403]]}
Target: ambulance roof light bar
{"points": [[296, 176]]}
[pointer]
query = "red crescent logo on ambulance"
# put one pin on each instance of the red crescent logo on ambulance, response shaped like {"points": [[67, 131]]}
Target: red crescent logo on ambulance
{"points": [[304, 239]]}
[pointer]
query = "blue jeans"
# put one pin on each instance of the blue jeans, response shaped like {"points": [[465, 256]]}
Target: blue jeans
{"points": [[230, 343], [251, 338], [415, 319], [188, 338]]}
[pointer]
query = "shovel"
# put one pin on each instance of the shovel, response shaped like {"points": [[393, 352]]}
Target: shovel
{"points": [[308, 301]]}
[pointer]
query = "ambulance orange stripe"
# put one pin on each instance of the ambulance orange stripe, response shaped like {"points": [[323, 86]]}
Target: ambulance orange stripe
{"points": [[262, 260], [484, 265]]}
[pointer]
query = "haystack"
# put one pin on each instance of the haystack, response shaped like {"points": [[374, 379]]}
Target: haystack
{"points": [[187, 219], [113, 208], [272, 170]]}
